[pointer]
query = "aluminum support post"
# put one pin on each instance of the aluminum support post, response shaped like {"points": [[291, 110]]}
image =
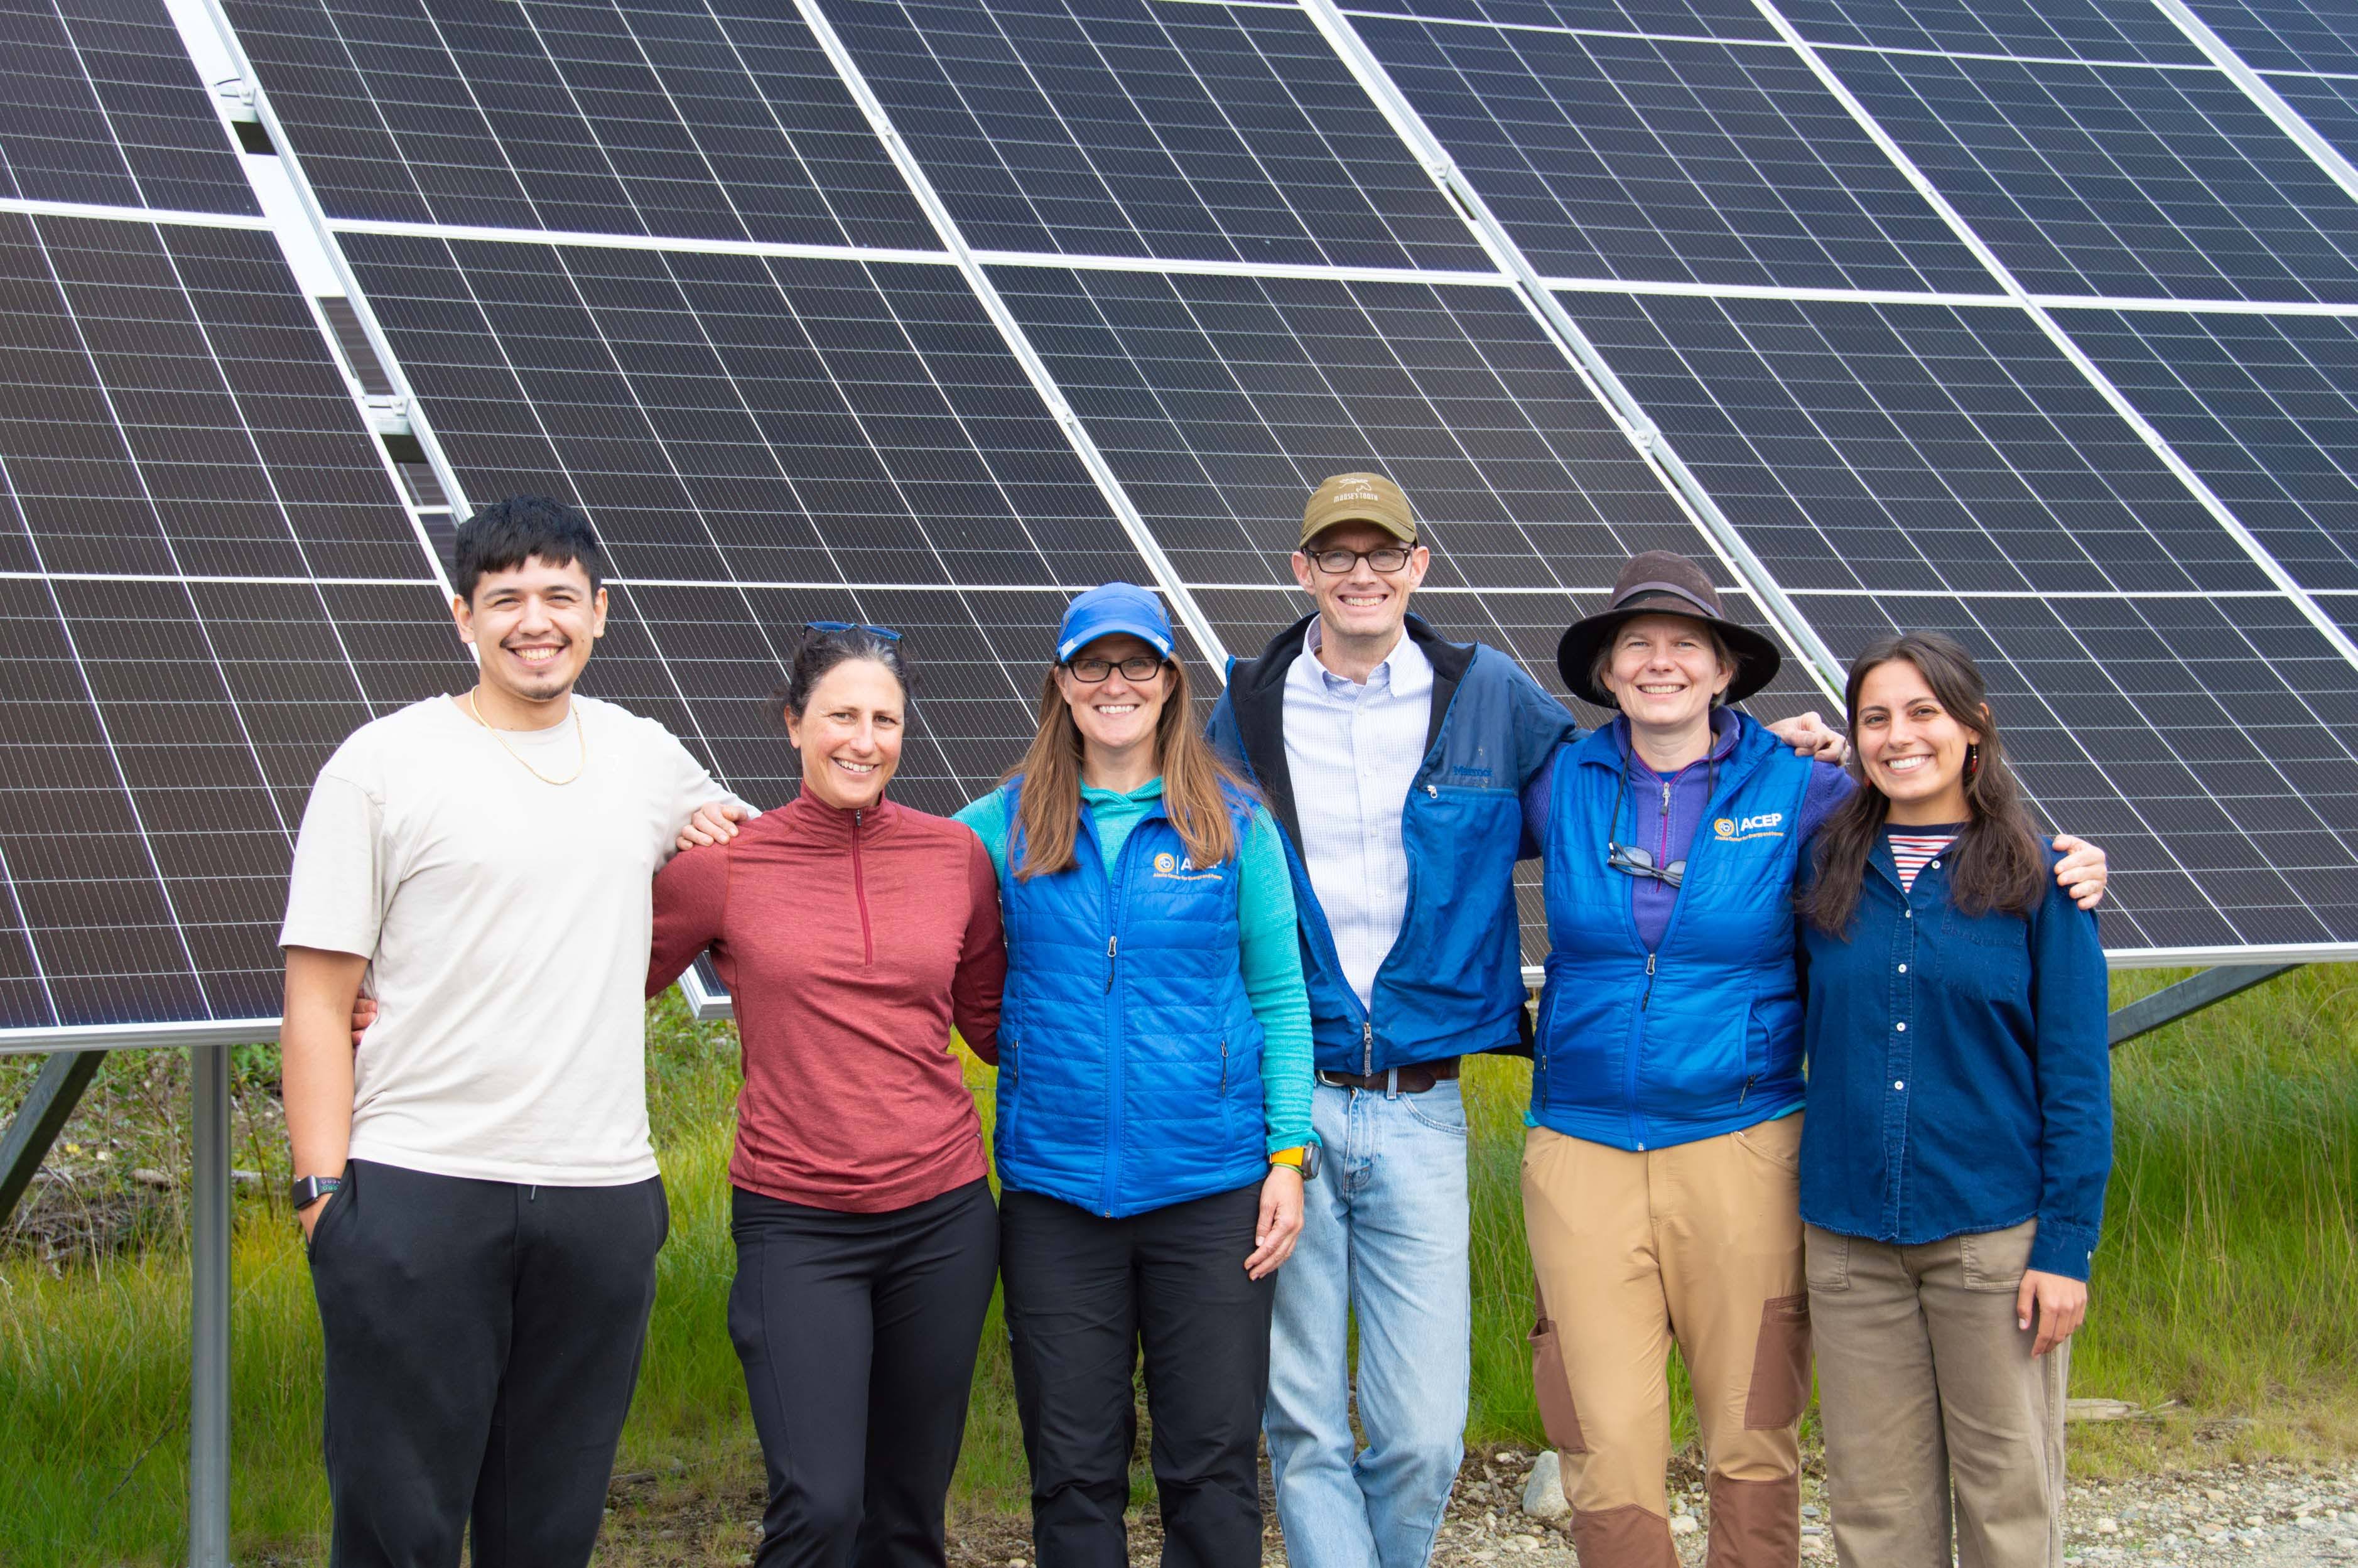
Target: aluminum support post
{"points": [[208, 1222], [2191, 994]]}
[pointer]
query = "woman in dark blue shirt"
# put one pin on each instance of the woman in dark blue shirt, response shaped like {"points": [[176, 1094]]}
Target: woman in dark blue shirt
{"points": [[1959, 1134]]}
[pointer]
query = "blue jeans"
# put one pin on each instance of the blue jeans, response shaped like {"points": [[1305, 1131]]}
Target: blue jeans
{"points": [[1385, 1236]]}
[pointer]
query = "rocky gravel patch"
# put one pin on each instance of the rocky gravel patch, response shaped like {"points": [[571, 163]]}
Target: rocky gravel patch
{"points": [[2277, 1514]]}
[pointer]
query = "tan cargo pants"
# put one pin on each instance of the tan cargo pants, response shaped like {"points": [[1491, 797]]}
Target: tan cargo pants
{"points": [[1701, 1242], [1929, 1390]]}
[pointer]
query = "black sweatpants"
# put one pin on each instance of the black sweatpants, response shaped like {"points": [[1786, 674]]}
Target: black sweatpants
{"points": [[1084, 1294], [483, 1343], [858, 1333]]}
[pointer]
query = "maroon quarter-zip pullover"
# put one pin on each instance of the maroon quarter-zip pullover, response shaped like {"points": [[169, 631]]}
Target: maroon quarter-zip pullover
{"points": [[852, 941]]}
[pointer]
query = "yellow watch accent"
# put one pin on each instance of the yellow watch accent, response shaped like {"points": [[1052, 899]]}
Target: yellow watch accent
{"points": [[1287, 1157]]}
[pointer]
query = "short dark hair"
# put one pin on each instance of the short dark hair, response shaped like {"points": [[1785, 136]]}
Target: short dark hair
{"points": [[821, 652], [506, 533]]}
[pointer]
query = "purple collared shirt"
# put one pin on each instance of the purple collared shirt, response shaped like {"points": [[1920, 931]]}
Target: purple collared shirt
{"points": [[1660, 813]]}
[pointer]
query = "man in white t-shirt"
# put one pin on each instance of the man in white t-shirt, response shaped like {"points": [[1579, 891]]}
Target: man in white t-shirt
{"points": [[476, 1179]]}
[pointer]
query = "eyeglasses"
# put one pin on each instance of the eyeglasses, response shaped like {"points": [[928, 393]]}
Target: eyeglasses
{"points": [[1335, 563], [1633, 861], [1093, 672], [1641, 863], [830, 627]]}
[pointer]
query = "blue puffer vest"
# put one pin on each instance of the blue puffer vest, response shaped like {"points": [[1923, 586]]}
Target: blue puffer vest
{"points": [[1128, 1055], [1644, 1050]]}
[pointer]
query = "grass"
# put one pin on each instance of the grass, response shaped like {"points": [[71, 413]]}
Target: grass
{"points": [[2228, 1282]]}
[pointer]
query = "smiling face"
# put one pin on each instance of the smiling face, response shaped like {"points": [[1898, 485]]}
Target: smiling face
{"points": [[849, 735], [533, 627], [1116, 714], [1911, 748], [1362, 604], [1664, 670]]}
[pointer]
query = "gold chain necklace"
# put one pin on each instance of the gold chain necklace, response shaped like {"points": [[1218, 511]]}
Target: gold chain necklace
{"points": [[579, 733]]}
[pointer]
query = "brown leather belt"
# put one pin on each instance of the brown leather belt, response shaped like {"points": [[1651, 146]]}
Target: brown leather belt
{"points": [[1413, 1079]]}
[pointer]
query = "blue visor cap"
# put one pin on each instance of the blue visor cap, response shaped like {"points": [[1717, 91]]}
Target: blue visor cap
{"points": [[1110, 608]]}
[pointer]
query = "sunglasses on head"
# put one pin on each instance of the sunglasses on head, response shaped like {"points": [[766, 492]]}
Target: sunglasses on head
{"points": [[830, 627]]}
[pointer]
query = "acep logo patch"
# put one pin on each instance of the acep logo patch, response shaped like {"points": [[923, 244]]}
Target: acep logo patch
{"points": [[1736, 830], [1184, 869]]}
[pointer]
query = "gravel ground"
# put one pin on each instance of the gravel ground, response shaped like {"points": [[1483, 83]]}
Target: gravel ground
{"points": [[2272, 1515]]}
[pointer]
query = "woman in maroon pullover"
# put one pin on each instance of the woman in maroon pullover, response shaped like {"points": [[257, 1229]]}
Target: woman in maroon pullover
{"points": [[852, 934]]}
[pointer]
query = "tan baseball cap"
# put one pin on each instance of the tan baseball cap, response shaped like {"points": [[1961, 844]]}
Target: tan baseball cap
{"points": [[1358, 498]]}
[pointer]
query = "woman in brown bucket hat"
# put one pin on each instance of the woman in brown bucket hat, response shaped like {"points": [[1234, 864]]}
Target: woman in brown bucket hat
{"points": [[1661, 1171]]}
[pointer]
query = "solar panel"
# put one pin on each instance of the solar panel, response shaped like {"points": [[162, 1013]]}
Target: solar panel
{"points": [[1662, 160], [667, 117], [208, 576], [762, 442], [2285, 35], [2118, 180], [205, 582], [2049, 29], [2265, 409], [1137, 128], [99, 104], [1922, 466]]}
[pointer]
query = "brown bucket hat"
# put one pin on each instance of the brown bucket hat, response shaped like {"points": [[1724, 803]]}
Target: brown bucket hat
{"points": [[1657, 582]]}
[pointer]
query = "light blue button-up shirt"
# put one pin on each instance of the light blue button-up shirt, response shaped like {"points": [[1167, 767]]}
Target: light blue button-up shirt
{"points": [[1353, 751]]}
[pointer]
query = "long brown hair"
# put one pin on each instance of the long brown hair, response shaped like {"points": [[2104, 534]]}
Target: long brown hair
{"points": [[1193, 776], [1998, 860]]}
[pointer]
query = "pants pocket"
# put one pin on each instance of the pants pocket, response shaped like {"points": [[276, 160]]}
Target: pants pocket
{"points": [[1997, 1260], [1827, 1255], [1781, 1364], [1558, 1415]]}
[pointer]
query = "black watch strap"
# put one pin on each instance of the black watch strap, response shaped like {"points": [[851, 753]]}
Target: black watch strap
{"points": [[309, 1190]]}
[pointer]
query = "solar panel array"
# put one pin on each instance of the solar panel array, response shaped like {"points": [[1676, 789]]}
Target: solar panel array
{"points": [[2035, 322]]}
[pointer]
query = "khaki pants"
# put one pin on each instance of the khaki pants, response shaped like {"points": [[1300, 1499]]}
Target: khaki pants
{"points": [[1928, 1390], [1701, 1242]]}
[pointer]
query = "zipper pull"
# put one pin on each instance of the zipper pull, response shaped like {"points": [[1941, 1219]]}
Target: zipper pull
{"points": [[1368, 1048], [1224, 1066], [1646, 1000], [1110, 941], [1666, 797], [1745, 1093]]}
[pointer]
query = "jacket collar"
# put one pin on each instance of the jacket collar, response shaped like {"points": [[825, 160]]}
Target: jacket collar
{"points": [[1257, 695], [818, 822]]}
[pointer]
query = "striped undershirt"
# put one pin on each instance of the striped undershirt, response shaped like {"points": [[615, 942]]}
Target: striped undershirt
{"points": [[1913, 847]]}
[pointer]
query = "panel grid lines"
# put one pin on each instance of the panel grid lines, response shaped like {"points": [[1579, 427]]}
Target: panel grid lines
{"points": [[680, 117], [1130, 128], [105, 105], [2085, 180], [1701, 162]]}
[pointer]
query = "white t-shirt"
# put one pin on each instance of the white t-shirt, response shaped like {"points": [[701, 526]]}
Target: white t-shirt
{"points": [[506, 923]]}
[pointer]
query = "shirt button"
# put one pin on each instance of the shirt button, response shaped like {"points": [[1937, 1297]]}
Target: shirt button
{"points": [[1901, 1027], [1908, 913], [1936, 865], [1898, 1083], [1903, 969]]}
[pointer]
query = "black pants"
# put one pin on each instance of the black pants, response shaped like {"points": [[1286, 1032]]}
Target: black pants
{"points": [[858, 1333], [1084, 1295], [482, 1342]]}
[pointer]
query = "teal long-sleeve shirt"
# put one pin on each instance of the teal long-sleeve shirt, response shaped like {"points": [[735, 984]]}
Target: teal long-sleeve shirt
{"points": [[1269, 951]]}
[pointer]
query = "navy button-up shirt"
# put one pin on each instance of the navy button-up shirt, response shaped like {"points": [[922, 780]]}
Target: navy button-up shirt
{"points": [[1960, 1079]]}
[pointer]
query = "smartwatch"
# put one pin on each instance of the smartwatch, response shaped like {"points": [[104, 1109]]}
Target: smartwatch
{"points": [[309, 1190], [1307, 1164]]}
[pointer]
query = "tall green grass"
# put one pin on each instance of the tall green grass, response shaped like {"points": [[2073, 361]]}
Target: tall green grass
{"points": [[2228, 1280]]}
